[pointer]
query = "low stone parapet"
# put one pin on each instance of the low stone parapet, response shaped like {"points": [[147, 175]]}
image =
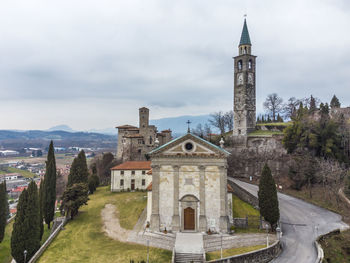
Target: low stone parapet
{"points": [[258, 256]]}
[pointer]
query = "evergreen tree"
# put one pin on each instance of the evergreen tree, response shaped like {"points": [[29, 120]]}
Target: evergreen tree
{"points": [[93, 183], [73, 198], [335, 102], [50, 187], [312, 104], [268, 200], [79, 171], [4, 210], [41, 204], [33, 220], [18, 237], [26, 230], [262, 119]]}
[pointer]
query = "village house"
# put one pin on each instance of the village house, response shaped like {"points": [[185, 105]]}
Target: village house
{"points": [[130, 176]]}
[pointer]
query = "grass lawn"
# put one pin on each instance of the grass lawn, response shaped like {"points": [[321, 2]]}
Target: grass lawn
{"points": [[265, 133], [84, 241], [242, 209], [272, 124], [24, 173], [5, 245], [231, 252]]}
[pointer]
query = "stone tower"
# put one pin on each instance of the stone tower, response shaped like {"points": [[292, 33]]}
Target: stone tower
{"points": [[244, 108], [144, 117]]}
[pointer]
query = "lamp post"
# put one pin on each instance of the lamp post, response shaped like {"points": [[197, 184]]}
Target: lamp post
{"points": [[267, 235], [278, 232], [147, 251], [25, 255]]}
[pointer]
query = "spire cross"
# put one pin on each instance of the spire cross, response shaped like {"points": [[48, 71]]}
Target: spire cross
{"points": [[188, 129]]}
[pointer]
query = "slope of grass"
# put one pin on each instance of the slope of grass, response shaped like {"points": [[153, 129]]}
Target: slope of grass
{"points": [[24, 173], [241, 209], [265, 133], [5, 245], [231, 252], [274, 124], [83, 239]]}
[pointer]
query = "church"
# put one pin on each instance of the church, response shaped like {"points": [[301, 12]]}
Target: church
{"points": [[189, 190]]}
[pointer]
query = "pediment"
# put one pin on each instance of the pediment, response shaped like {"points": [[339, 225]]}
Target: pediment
{"points": [[189, 145]]}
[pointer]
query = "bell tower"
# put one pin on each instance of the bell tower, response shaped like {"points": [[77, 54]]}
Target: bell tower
{"points": [[244, 109]]}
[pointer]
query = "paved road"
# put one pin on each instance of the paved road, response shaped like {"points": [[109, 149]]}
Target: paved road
{"points": [[299, 222]]}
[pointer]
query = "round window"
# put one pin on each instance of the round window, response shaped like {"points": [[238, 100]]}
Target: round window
{"points": [[188, 146]]}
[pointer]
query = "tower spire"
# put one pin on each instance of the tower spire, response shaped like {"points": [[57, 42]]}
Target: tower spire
{"points": [[245, 44]]}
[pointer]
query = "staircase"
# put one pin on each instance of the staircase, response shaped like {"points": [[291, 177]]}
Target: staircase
{"points": [[189, 248], [186, 258]]}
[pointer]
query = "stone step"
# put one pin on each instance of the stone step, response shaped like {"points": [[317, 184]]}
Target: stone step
{"points": [[186, 258]]}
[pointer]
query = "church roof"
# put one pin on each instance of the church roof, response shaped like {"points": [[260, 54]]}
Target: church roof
{"points": [[187, 136], [133, 165], [245, 39]]}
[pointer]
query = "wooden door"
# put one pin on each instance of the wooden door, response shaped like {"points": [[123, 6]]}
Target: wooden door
{"points": [[189, 219], [132, 184]]}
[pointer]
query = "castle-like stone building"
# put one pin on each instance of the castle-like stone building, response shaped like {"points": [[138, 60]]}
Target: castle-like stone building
{"points": [[135, 142]]}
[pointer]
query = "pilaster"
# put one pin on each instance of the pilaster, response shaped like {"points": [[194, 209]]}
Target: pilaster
{"points": [[223, 199], [202, 216], [176, 218], [155, 198]]}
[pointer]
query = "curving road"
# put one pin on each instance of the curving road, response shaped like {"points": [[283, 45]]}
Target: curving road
{"points": [[301, 224]]}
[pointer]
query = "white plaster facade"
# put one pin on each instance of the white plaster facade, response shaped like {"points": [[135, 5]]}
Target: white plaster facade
{"points": [[130, 176], [189, 183]]}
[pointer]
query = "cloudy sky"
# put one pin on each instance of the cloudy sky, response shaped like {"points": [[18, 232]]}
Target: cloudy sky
{"points": [[92, 64]]}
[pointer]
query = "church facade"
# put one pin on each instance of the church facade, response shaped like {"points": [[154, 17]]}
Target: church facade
{"points": [[189, 190]]}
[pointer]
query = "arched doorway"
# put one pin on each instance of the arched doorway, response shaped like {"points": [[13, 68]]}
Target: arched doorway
{"points": [[189, 206], [189, 219]]}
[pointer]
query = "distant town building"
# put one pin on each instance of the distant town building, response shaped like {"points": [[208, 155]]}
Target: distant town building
{"points": [[135, 142], [132, 175], [8, 153]]}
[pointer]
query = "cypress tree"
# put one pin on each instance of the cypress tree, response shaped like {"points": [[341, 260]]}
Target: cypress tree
{"points": [[79, 171], [41, 203], [335, 102], [33, 220], [49, 187], [4, 210], [20, 228], [268, 200]]}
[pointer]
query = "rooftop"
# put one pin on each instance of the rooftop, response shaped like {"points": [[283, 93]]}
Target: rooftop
{"points": [[133, 165]]}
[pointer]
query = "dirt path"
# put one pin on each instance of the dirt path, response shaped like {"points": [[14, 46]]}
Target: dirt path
{"points": [[111, 224]]}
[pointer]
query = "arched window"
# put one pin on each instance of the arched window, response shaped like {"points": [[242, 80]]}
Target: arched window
{"points": [[150, 140], [245, 50], [240, 64], [250, 64]]}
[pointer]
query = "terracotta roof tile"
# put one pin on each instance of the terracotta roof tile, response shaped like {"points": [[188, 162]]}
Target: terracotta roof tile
{"points": [[133, 165], [149, 187]]}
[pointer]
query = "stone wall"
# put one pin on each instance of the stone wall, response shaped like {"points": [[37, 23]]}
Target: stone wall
{"points": [[244, 194], [259, 256], [249, 160], [49, 240]]}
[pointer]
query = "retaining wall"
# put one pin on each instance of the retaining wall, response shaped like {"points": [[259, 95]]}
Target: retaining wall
{"points": [[258, 256], [48, 242], [244, 195]]}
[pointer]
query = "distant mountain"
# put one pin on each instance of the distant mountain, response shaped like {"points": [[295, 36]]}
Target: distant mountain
{"points": [[61, 127], [109, 131], [178, 124], [40, 139]]}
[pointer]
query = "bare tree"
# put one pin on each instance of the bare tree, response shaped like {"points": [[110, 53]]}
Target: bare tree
{"points": [[290, 107], [228, 119], [217, 119], [273, 105], [199, 131]]}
